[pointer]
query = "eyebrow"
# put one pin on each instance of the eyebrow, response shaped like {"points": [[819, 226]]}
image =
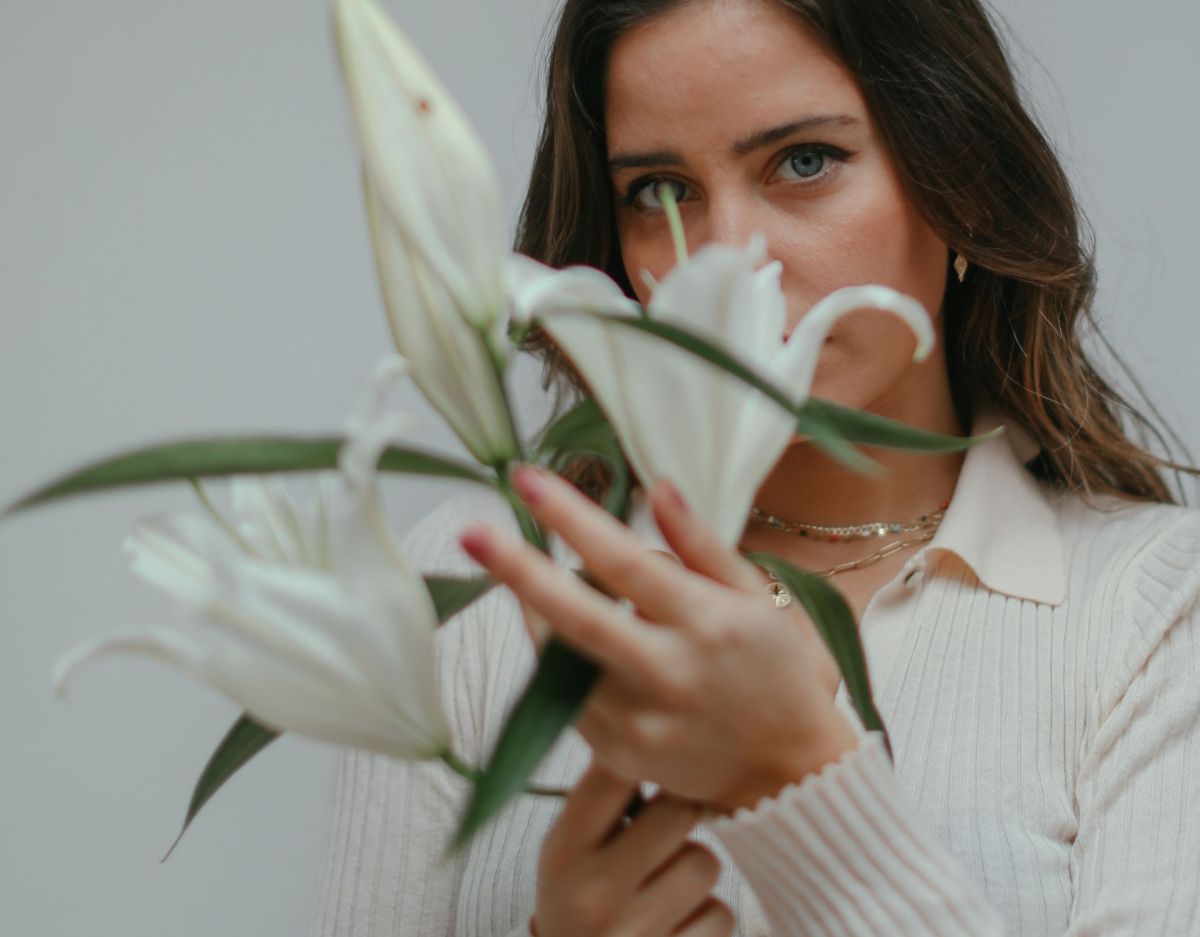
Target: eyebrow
{"points": [[743, 147]]}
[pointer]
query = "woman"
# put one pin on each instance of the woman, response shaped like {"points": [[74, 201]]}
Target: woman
{"points": [[1032, 636]]}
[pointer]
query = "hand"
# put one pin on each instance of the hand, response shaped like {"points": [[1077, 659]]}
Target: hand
{"points": [[598, 877], [709, 690]]}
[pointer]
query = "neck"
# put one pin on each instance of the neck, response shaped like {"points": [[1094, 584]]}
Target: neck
{"points": [[808, 487]]}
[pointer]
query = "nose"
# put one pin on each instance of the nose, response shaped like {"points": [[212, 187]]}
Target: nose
{"points": [[733, 219]]}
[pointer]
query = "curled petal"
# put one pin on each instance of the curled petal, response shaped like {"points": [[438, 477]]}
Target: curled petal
{"points": [[798, 362], [536, 290]]}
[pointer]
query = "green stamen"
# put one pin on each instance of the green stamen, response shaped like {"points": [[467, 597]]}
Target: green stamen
{"points": [[666, 195]]}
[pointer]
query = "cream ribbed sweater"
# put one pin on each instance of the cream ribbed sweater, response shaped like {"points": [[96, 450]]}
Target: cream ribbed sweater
{"points": [[1037, 665]]}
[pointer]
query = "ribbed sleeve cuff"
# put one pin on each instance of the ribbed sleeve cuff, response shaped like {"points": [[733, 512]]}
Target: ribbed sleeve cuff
{"points": [[522, 931], [842, 852]]}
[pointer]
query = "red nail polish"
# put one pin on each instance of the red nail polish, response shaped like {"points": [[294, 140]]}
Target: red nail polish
{"points": [[676, 496], [478, 543], [529, 484]]}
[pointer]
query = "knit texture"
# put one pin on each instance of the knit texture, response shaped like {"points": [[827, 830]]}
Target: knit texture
{"points": [[1044, 778]]}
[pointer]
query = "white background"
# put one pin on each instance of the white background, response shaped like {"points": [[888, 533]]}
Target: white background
{"points": [[182, 251]]}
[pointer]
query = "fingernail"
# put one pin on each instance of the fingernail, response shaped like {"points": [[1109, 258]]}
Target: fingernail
{"points": [[529, 484], [477, 541], [676, 496]]}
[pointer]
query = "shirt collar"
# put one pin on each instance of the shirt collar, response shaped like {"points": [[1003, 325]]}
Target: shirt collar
{"points": [[1000, 522]]}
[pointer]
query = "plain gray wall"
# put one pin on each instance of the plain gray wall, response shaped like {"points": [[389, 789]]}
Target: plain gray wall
{"points": [[182, 251]]}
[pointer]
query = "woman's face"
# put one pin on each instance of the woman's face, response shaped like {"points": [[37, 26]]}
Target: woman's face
{"points": [[758, 129]]}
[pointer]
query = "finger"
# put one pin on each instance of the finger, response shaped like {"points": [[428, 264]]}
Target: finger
{"points": [[650, 840], [596, 803], [609, 550], [584, 618], [696, 543], [536, 626], [712, 919], [674, 892]]}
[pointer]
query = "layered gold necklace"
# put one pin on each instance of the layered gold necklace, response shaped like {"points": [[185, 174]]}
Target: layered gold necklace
{"points": [[922, 530]]}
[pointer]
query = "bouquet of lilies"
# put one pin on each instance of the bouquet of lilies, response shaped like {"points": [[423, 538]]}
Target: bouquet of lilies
{"points": [[308, 616]]}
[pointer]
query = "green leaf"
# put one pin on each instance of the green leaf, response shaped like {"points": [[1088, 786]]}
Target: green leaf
{"points": [[585, 430], [874, 430], [701, 347], [241, 743], [451, 594], [827, 438], [835, 622], [551, 702], [223, 456]]}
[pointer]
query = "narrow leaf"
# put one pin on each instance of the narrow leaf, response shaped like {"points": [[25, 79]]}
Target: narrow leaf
{"points": [[826, 437], [241, 743], [874, 430], [835, 622], [701, 347], [223, 456], [451, 594], [551, 702]]}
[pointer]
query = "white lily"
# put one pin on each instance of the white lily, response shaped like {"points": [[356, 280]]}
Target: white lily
{"points": [[676, 415], [437, 225], [309, 617]]}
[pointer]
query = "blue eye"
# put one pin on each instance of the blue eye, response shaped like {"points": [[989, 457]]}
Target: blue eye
{"points": [[810, 162], [806, 164]]}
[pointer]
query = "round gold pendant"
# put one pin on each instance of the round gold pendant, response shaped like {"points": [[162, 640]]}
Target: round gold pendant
{"points": [[778, 590]]}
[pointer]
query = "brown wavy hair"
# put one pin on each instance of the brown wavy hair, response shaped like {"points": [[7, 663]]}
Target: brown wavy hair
{"points": [[974, 162]]}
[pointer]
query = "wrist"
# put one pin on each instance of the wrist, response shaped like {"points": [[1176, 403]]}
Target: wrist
{"points": [[791, 764]]}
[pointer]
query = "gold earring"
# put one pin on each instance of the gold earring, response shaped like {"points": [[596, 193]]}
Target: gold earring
{"points": [[960, 266]]}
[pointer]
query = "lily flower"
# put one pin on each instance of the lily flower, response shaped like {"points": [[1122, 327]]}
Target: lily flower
{"points": [[675, 414], [307, 616], [437, 224]]}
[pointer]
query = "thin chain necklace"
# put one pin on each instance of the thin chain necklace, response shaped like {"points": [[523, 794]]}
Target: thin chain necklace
{"points": [[926, 523], [852, 532]]}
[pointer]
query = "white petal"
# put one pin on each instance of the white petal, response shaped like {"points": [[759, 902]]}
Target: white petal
{"points": [[271, 693], [271, 521], [536, 290], [719, 294], [174, 553], [672, 411]]}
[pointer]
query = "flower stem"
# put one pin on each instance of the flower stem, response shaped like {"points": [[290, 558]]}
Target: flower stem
{"points": [[461, 768], [529, 526], [500, 368]]}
